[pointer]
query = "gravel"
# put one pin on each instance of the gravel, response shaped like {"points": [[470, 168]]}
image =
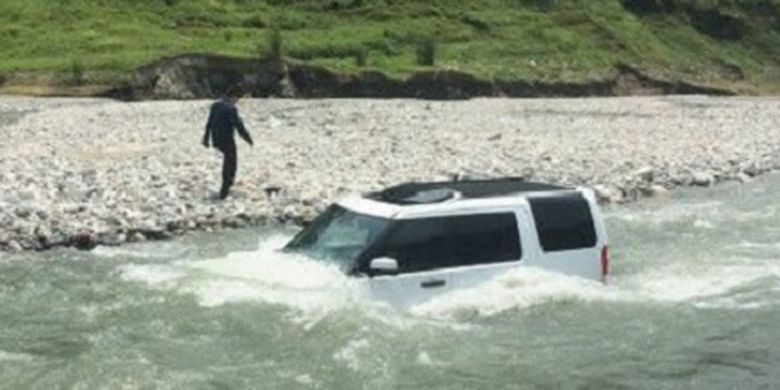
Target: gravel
{"points": [[88, 172]]}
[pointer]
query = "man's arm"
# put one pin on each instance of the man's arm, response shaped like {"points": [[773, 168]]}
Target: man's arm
{"points": [[207, 136], [241, 129]]}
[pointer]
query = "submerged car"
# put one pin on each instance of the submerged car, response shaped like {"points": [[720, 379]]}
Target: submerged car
{"points": [[416, 240]]}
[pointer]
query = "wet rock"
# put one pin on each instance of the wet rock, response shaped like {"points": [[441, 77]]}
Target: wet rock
{"points": [[43, 233], [83, 241], [606, 194], [658, 190], [136, 237], [112, 238], [235, 223], [752, 170], [744, 178], [15, 246], [703, 179]]}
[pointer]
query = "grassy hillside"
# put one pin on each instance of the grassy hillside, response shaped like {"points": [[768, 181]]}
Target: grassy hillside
{"points": [[733, 43]]}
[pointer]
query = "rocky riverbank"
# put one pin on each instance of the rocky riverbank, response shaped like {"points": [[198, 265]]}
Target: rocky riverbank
{"points": [[88, 172]]}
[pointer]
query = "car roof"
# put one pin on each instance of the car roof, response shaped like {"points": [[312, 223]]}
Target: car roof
{"points": [[434, 192]]}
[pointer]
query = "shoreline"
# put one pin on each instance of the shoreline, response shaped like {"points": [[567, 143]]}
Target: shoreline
{"points": [[86, 172], [204, 76]]}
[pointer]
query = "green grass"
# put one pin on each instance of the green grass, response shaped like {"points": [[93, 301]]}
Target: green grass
{"points": [[571, 40]]}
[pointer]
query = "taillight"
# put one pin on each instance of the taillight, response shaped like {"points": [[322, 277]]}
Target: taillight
{"points": [[604, 263]]}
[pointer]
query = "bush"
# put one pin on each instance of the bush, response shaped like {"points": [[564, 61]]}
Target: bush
{"points": [[324, 51], [76, 73], [361, 57], [426, 52], [475, 22], [254, 21], [543, 5], [275, 42]]}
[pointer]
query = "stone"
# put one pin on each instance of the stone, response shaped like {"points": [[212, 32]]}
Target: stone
{"points": [[234, 222], [111, 238], [607, 194], [703, 179], [115, 221], [645, 174], [289, 212], [23, 212], [752, 170], [742, 177], [43, 232], [136, 237], [27, 195], [83, 241], [15, 246], [42, 214], [658, 190]]}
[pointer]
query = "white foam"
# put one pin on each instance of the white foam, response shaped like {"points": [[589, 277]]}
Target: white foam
{"points": [[153, 274], [6, 356], [304, 379], [669, 213], [424, 359], [350, 353], [703, 224], [757, 245], [518, 289], [313, 289], [268, 275], [714, 286], [268, 266], [677, 284], [129, 251]]}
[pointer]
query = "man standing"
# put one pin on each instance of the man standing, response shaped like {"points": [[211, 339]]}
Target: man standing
{"points": [[223, 120]]}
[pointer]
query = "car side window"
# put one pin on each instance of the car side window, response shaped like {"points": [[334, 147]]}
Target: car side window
{"points": [[418, 244], [483, 239], [430, 243], [563, 223]]}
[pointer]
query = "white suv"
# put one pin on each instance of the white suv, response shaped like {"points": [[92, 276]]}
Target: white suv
{"points": [[417, 240]]}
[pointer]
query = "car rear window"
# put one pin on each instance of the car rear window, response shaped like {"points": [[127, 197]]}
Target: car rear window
{"points": [[430, 243], [563, 223]]}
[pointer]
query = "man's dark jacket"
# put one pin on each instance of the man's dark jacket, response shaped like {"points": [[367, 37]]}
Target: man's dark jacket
{"points": [[223, 120]]}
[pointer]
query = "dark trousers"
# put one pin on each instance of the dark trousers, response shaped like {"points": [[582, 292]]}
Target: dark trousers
{"points": [[229, 165]]}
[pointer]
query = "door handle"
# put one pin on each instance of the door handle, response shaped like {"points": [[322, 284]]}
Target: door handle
{"points": [[433, 283]]}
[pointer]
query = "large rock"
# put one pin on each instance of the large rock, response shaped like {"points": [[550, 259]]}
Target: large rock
{"points": [[703, 179]]}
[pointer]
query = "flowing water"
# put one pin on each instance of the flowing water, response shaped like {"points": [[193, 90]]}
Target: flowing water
{"points": [[694, 304]]}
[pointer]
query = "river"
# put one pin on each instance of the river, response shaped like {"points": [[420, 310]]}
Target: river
{"points": [[694, 303]]}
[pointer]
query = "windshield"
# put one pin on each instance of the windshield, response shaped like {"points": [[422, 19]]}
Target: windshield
{"points": [[339, 236]]}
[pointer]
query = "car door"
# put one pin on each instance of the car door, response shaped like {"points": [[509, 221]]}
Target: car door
{"points": [[486, 246], [409, 289], [567, 235], [422, 249]]}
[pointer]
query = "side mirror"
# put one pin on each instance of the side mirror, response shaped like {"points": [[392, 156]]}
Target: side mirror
{"points": [[383, 266]]}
